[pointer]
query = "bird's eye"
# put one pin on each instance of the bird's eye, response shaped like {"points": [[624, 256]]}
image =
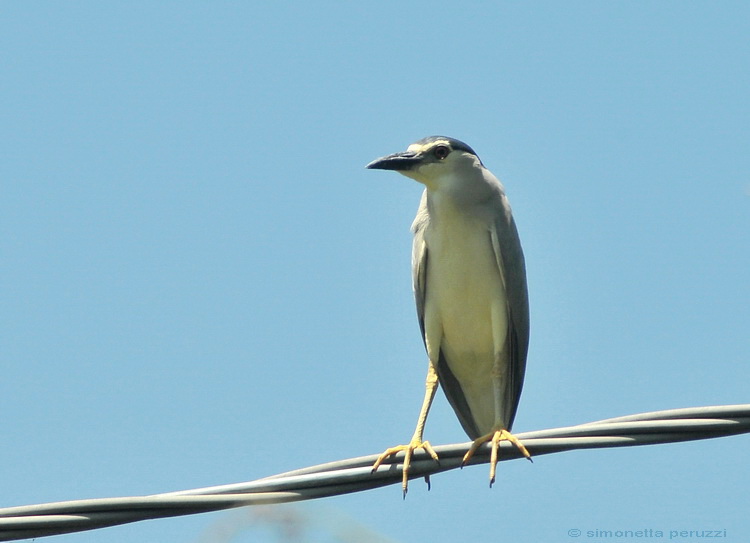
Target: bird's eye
{"points": [[441, 151]]}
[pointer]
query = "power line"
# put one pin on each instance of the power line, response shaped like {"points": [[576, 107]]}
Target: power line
{"points": [[355, 475]]}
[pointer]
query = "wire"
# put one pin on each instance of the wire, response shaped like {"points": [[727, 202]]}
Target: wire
{"points": [[355, 474]]}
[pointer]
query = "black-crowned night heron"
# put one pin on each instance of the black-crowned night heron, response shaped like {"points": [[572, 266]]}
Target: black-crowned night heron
{"points": [[469, 282]]}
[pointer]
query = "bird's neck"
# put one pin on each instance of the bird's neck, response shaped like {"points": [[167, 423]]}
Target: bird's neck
{"points": [[454, 195]]}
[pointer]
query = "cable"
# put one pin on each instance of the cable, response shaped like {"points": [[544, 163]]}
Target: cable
{"points": [[355, 474]]}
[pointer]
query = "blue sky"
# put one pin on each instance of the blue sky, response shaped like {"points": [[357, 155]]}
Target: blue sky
{"points": [[201, 284]]}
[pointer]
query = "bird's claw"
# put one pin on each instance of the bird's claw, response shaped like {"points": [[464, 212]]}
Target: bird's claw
{"points": [[495, 437], [408, 452]]}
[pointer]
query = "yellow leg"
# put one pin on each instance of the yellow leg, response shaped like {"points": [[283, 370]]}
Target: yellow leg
{"points": [[416, 440], [494, 437], [499, 430]]}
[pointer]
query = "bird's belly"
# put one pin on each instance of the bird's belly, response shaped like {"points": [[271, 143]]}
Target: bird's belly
{"points": [[464, 292]]}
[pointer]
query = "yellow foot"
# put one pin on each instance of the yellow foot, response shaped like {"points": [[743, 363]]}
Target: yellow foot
{"points": [[410, 448], [494, 437]]}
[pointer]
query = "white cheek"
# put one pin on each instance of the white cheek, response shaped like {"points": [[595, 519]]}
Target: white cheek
{"points": [[417, 175]]}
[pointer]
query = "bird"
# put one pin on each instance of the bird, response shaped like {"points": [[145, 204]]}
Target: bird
{"points": [[469, 282]]}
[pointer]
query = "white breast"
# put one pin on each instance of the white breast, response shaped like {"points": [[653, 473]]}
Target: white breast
{"points": [[463, 286]]}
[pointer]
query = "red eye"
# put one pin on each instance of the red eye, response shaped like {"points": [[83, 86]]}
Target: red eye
{"points": [[441, 151]]}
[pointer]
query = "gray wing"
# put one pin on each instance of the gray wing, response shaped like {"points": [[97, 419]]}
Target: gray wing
{"points": [[510, 260], [419, 261], [446, 379]]}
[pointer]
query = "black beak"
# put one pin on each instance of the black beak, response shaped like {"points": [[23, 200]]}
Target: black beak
{"points": [[397, 161]]}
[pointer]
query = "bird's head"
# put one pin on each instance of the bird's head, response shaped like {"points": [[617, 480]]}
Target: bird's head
{"points": [[436, 161]]}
